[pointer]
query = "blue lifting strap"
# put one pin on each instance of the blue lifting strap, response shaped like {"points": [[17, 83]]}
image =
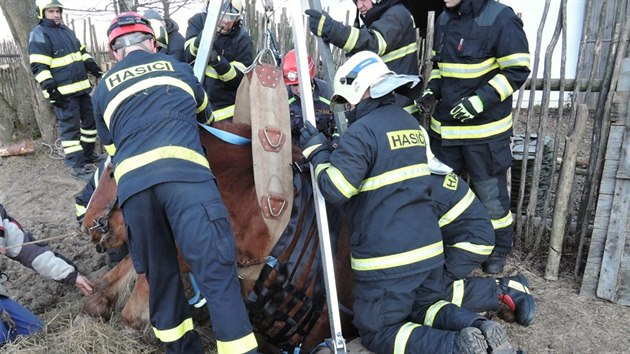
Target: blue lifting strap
{"points": [[197, 300], [226, 136]]}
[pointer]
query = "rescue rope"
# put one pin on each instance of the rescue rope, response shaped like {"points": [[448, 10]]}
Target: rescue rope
{"points": [[43, 240]]}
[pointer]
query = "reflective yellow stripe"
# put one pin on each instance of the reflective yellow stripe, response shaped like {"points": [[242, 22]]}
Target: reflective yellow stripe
{"points": [[211, 72], [223, 113], [141, 86], [433, 52], [458, 292], [203, 105], [412, 108], [173, 334], [191, 43], [352, 39], [87, 139], [241, 345], [292, 99], [503, 222], [433, 310], [516, 59], [111, 149], [468, 71], [228, 75], [309, 150], [319, 168], [402, 337], [43, 76], [320, 25], [382, 45], [450, 132], [66, 60], [483, 250], [501, 84], [40, 58], [71, 146], [239, 66], [80, 210], [435, 74], [397, 260], [165, 152], [457, 209], [75, 87], [86, 57], [324, 99], [340, 182], [400, 52], [518, 286], [395, 176], [88, 131]]}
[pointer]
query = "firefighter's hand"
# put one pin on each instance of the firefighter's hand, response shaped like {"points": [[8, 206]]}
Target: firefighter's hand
{"points": [[467, 108], [3, 250], [84, 284], [312, 141], [214, 58], [53, 92], [426, 102], [319, 23]]}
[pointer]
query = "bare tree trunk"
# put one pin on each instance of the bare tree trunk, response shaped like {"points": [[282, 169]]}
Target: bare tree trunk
{"points": [[7, 123], [21, 18]]}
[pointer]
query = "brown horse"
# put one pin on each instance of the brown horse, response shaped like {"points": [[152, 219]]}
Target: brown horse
{"points": [[283, 290]]}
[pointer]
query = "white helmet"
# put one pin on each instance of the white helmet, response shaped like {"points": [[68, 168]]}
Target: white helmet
{"points": [[356, 76], [366, 70]]}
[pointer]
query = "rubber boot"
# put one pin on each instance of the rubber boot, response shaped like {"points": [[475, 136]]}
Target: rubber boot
{"points": [[514, 293], [495, 263], [496, 337], [470, 340]]}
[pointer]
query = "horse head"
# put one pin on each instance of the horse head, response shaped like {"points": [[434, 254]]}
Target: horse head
{"points": [[103, 221]]}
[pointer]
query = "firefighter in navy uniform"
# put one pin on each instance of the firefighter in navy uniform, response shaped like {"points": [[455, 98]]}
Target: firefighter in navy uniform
{"points": [[379, 175], [388, 31], [481, 57], [232, 53], [468, 241], [167, 35], [321, 98], [60, 64], [145, 112]]}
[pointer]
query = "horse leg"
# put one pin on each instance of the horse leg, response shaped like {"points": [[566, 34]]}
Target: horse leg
{"points": [[135, 314], [112, 291]]}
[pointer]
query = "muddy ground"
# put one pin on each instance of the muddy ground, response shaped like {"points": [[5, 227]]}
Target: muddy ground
{"points": [[39, 192]]}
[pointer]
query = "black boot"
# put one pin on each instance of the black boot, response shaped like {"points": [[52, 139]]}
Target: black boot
{"points": [[514, 293], [495, 263], [470, 340], [496, 337]]}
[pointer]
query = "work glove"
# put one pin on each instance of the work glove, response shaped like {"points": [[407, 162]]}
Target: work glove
{"points": [[93, 68], [55, 97], [319, 23], [467, 108], [426, 102], [313, 143], [214, 58]]}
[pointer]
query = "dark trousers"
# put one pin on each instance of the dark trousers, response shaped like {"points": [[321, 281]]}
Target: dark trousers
{"points": [[474, 294], [487, 165], [77, 128], [408, 313], [192, 217]]}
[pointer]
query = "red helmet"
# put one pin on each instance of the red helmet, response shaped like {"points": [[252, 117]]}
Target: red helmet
{"points": [[125, 23], [289, 68]]}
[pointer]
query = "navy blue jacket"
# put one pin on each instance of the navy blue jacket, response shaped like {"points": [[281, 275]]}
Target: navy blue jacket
{"points": [[58, 58], [321, 103], [145, 109], [463, 220], [236, 53], [175, 40], [379, 174], [480, 48]]}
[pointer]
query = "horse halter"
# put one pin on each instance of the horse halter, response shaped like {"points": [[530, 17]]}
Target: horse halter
{"points": [[101, 224]]}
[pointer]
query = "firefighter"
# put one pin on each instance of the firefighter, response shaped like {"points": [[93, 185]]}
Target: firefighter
{"points": [[321, 98], [16, 320], [481, 57], [60, 64], [145, 110], [379, 175], [468, 241], [167, 35], [231, 54], [388, 31]]}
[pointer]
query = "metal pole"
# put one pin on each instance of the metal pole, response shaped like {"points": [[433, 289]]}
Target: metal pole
{"points": [[329, 69], [338, 343], [207, 38]]}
